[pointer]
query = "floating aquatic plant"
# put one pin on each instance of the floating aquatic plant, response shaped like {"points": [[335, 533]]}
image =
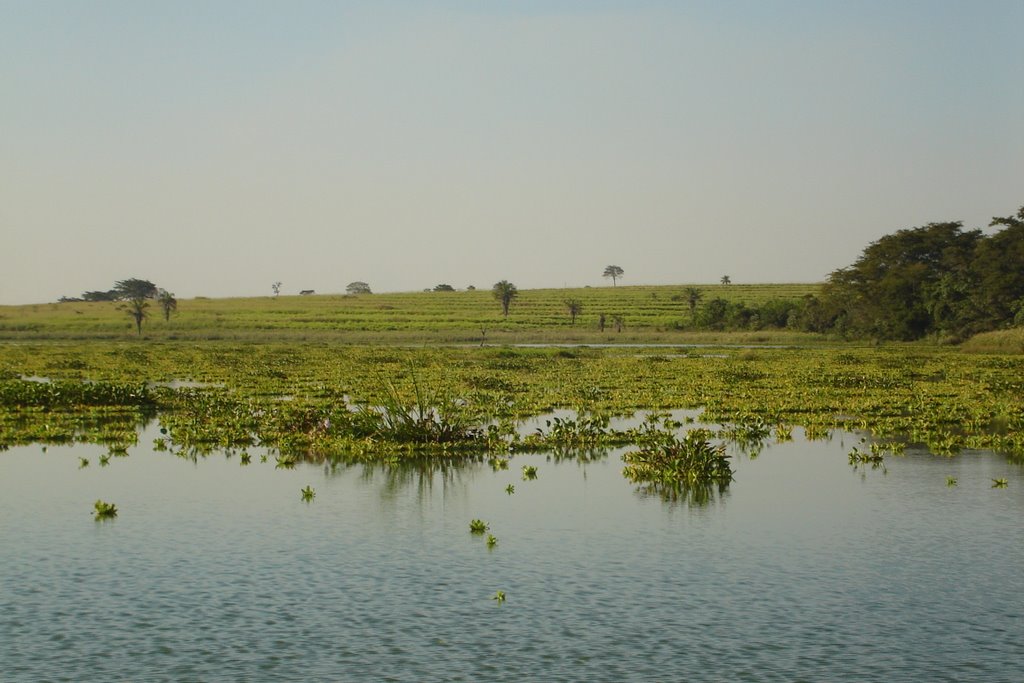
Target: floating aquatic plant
{"points": [[663, 457], [529, 472], [951, 481], [499, 597], [308, 493], [510, 489], [491, 540], [1000, 483], [83, 462], [105, 510], [478, 526]]}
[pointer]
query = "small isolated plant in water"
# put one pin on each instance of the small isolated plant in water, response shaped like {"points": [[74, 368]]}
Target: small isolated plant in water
{"points": [[950, 481], [308, 494], [510, 489], [499, 597], [245, 458], [105, 510], [675, 467], [529, 472], [491, 540], [478, 526], [83, 462], [1000, 483]]}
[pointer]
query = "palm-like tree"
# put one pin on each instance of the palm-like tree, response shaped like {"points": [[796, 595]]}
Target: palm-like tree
{"points": [[614, 272], [136, 308], [504, 292], [693, 297], [726, 280], [575, 307], [167, 302]]}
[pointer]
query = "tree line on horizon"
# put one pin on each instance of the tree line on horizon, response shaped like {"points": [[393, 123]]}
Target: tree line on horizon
{"points": [[935, 280]]}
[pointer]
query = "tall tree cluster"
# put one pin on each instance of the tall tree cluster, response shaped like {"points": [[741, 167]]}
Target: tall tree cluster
{"points": [[933, 280]]}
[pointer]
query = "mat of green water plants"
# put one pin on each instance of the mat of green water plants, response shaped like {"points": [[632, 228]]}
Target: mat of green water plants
{"points": [[278, 394]]}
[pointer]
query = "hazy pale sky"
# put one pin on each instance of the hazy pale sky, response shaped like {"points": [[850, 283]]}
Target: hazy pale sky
{"points": [[215, 147]]}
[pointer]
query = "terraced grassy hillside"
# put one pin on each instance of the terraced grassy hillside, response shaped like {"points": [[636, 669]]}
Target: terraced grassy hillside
{"points": [[647, 312]]}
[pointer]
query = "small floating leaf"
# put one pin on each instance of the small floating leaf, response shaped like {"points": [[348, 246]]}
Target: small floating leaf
{"points": [[499, 597]]}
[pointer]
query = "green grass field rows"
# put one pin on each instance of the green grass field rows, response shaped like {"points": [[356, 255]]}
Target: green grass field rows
{"points": [[444, 316]]}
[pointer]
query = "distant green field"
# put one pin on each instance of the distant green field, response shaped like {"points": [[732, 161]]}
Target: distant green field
{"points": [[647, 312]]}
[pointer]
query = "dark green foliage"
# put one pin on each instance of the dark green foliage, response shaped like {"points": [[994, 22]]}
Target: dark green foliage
{"points": [[134, 288], [935, 279]]}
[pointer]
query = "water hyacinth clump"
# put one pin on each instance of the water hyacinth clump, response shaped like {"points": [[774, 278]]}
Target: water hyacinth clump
{"points": [[104, 510], [665, 459]]}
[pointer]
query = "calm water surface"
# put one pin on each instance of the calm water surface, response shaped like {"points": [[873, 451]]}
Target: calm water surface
{"points": [[804, 571]]}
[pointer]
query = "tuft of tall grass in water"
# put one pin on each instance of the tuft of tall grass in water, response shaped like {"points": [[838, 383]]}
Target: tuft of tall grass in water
{"points": [[431, 417]]}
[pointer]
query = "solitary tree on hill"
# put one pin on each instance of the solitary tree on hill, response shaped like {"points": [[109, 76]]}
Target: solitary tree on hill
{"points": [[444, 288], [614, 272], [358, 287], [504, 292]]}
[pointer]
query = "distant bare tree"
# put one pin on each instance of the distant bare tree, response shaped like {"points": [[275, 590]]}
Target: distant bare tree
{"points": [[276, 287]]}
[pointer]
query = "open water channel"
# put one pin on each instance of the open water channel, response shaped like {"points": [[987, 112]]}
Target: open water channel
{"points": [[805, 570]]}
